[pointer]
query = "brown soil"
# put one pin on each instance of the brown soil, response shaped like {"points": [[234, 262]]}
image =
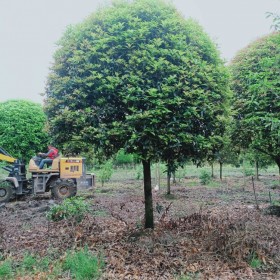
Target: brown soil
{"points": [[201, 232]]}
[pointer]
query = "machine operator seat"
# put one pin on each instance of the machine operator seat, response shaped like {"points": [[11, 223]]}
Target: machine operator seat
{"points": [[33, 167]]}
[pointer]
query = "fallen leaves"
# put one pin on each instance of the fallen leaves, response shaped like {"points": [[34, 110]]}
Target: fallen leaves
{"points": [[208, 243]]}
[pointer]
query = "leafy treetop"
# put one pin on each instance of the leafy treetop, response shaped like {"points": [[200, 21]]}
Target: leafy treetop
{"points": [[136, 75], [22, 128], [255, 72]]}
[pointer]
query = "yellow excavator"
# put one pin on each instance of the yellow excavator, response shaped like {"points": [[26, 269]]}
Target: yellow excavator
{"points": [[63, 178]]}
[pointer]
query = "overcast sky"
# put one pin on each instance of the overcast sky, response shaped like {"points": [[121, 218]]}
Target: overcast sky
{"points": [[29, 30]]}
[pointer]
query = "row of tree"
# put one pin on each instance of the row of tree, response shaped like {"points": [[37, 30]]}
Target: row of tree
{"points": [[137, 76]]}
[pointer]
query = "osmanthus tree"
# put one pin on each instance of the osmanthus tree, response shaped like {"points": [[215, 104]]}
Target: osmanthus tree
{"points": [[136, 75], [22, 128], [256, 85]]}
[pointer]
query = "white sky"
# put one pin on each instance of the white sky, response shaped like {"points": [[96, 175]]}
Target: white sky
{"points": [[29, 30]]}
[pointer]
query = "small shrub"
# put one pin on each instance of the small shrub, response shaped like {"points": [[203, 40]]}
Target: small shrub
{"points": [[6, 271], [83, 265], [139, 172], [249, 172], [255, 262], [71, 208], [106, 172], [205, 177]]}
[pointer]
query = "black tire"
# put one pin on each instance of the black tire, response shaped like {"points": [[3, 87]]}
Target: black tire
{"points": [[6, 191], [62, 189]]}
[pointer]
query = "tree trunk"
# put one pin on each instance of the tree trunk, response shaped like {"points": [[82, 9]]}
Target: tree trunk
{"points": [[168, 182], [277, 160], [159, 174], [257, 170], [149, 215], [221, 170], [212, 170], [174, 177]]}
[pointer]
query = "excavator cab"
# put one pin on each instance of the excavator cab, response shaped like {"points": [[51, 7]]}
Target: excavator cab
{"points": [[35, 161]]}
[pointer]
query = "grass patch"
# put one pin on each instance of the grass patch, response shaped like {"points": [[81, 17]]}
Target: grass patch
{"points": [[32, 264], [214, 184], [83, 265], [6, 270], [192, 184], [255, 262], [80, 264]]}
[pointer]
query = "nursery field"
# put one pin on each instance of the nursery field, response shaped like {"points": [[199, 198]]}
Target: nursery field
{"points": [[219, 229]]}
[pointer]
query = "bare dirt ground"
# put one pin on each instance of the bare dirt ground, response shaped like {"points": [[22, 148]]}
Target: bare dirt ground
{"points": [[201, 232]]}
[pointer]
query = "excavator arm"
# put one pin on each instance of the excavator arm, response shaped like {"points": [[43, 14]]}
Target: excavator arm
{"points": [[5, 156]]}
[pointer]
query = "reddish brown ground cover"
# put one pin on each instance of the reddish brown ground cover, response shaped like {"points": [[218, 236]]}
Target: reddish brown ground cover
{"points": [[201, 232]]}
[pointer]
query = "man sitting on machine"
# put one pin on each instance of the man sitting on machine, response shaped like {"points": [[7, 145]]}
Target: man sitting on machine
{"points": [[48, 157]]}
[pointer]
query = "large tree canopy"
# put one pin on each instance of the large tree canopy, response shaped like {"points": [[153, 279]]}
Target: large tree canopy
{"points": [[256, 86], [22, 131], [137, 75]]}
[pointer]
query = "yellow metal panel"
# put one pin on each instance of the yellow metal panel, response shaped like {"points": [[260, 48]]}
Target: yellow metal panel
{"points": [[7, 158], [71, 167]]}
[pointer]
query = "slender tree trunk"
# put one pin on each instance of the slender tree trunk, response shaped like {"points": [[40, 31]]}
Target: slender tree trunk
{"points": [[257, 170], [212, 170], [174, 177], [168, 182], [149, 215], [158, 175], [221, 170], [277, 160]]}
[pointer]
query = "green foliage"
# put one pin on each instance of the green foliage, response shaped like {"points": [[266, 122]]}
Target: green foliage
{"points": [[137, 75], [29, 265], [255, 262], [70, 208], [22, 128], [249, 172], [83, 265], [122, 158], [6, 270], [106, 171], [29, 262], [139, 172], [205, 177], [255, 82]]}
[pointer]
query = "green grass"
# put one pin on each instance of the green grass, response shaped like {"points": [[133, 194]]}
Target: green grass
{"points": [[214, 184], [32, 264], [80, 264], [189, 170], [255, 262], [83, 265], [6, 270]]}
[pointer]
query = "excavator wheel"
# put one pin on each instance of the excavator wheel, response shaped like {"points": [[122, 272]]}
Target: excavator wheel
{"points": [[62, 189], [6, 191]]}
